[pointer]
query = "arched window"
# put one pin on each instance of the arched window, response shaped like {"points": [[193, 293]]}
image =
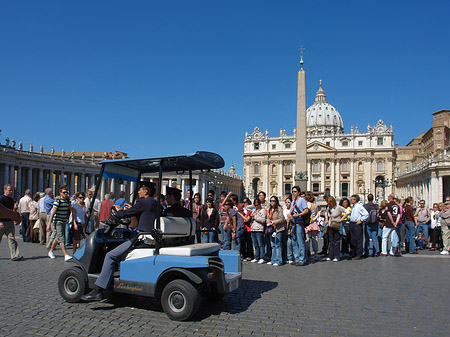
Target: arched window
{"points": [[256, 169], [344, 166], [360, 167], [380, 166], [315, 166], [288, 168]]}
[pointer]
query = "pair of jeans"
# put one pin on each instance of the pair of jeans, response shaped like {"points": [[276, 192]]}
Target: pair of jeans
{"points": [[356, 237], [298, 243], [267, 248], [207, 237], [237, 239], [276, 240], [289, 249], [410, 234], [25, 227], [334, 240], [68, 236], [423, 227], [388, 233], [258, 244], [226, 237], [371, 232]]}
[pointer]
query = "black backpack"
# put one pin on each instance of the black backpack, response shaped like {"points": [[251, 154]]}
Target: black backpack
{"points": [[373, 214]]}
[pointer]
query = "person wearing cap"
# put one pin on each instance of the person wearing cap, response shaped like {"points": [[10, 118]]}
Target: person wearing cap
{"points": [[173, 199], [145, 210]]}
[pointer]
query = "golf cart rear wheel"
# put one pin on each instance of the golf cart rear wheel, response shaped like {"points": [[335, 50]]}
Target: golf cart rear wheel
{"points": [[180, 300], [72, 284]]}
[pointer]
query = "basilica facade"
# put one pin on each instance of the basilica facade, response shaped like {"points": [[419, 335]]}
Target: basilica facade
{"points": [[338, 163]]}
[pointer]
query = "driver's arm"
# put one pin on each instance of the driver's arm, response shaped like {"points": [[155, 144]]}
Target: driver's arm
{"points": [[5, 212]]}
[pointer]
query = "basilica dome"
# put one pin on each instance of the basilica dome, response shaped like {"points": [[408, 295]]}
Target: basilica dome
{"points": [[322, 116]]}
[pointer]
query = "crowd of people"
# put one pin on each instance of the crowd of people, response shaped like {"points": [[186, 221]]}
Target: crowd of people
{"points": [[263, 231]]}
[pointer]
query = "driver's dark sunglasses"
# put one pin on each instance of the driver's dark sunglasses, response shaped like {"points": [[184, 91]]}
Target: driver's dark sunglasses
{"points": [[80, 197], [65, 192]]}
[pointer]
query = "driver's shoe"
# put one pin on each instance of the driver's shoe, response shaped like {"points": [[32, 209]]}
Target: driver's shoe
{"points": [[95, 295]]}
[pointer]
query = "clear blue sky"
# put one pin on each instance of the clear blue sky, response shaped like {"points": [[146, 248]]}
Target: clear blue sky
{"points": [[156, 78]]}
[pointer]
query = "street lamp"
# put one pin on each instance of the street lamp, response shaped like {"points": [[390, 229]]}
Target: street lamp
{"points": [[380, 182]]}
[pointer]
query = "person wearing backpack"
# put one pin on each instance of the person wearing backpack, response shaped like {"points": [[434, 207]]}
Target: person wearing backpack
{"points": [[371, 227]]}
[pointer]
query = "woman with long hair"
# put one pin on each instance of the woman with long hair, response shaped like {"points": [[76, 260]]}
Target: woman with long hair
{"points": [[346, 248], [79, 219], [435, 231], [34, 216], [258, 227], [275, 221], [334, 216], [209, 219], [313, 229], [246, 243], [197, 208]]}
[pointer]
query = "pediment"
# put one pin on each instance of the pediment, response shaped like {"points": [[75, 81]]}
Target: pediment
{"points": [[319, 147]]}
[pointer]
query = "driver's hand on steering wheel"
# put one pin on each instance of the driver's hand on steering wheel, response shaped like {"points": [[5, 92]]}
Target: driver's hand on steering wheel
{"points": [[117, 207], [127, 206]]}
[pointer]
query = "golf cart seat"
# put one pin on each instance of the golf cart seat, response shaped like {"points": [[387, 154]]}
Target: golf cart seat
{"points": [[197, 249], [176, 227]]}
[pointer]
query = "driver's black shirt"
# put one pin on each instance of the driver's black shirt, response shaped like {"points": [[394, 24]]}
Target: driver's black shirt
{"points": [[145, 210]]}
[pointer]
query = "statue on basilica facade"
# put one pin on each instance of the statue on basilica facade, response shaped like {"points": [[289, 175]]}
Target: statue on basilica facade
{"points": [[72, 155], [20, 146], [63, 153], [13, 143], [31, 147], [7, 142], [42, 149]]}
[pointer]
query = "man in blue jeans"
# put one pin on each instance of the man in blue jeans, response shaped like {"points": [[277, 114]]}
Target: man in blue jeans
{"points": [[299, 208], [423, 216], [371, 227]]}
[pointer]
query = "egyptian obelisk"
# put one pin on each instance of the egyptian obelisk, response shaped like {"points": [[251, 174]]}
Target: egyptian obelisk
{"points": [[301, 174]]}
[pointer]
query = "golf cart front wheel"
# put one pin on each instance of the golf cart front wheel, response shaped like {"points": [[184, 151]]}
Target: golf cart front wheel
{"points": [[180, 300], [72, 284]]}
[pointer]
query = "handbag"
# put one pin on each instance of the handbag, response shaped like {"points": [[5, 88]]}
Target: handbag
{"points": [[335, 225]]}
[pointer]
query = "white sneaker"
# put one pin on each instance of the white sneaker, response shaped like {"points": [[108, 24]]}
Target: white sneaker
{"points": [[51, 255], [269, 263], [327, 259], [291, 262], [335, 260], [261, 261], [444, 252], [254, 260], [275, 264], [67, 257]]}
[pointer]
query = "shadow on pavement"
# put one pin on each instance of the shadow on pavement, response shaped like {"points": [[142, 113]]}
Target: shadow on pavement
{"points": [[237, 301]]}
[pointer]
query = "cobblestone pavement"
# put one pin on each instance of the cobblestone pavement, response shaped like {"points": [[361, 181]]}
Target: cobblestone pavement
{"points": [[401, 296]]}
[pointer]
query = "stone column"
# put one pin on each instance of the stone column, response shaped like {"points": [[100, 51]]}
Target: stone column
{"points": [[322, 176], [6, 175], [83, 182], [265, 187], [333, 177], [12, 176], [41, 180], [72, 182], [338, 178], [102, 190], [280, 180], [30, 180], [308, 183], [19, 191], [51, 181], [352, 176]]}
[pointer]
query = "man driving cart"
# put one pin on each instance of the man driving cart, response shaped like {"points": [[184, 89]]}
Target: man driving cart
{"points": [[145, 210]]}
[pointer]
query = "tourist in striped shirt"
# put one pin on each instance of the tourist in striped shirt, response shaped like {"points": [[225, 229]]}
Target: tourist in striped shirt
{"points": [[57, 222]]}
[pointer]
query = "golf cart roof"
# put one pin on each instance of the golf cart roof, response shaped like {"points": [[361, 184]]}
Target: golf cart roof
{"points": [[200, 160]]}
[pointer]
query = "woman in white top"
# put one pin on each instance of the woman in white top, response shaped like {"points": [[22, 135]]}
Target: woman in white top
{"points": [[34, 216], [435, 231], [79, 219]]}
